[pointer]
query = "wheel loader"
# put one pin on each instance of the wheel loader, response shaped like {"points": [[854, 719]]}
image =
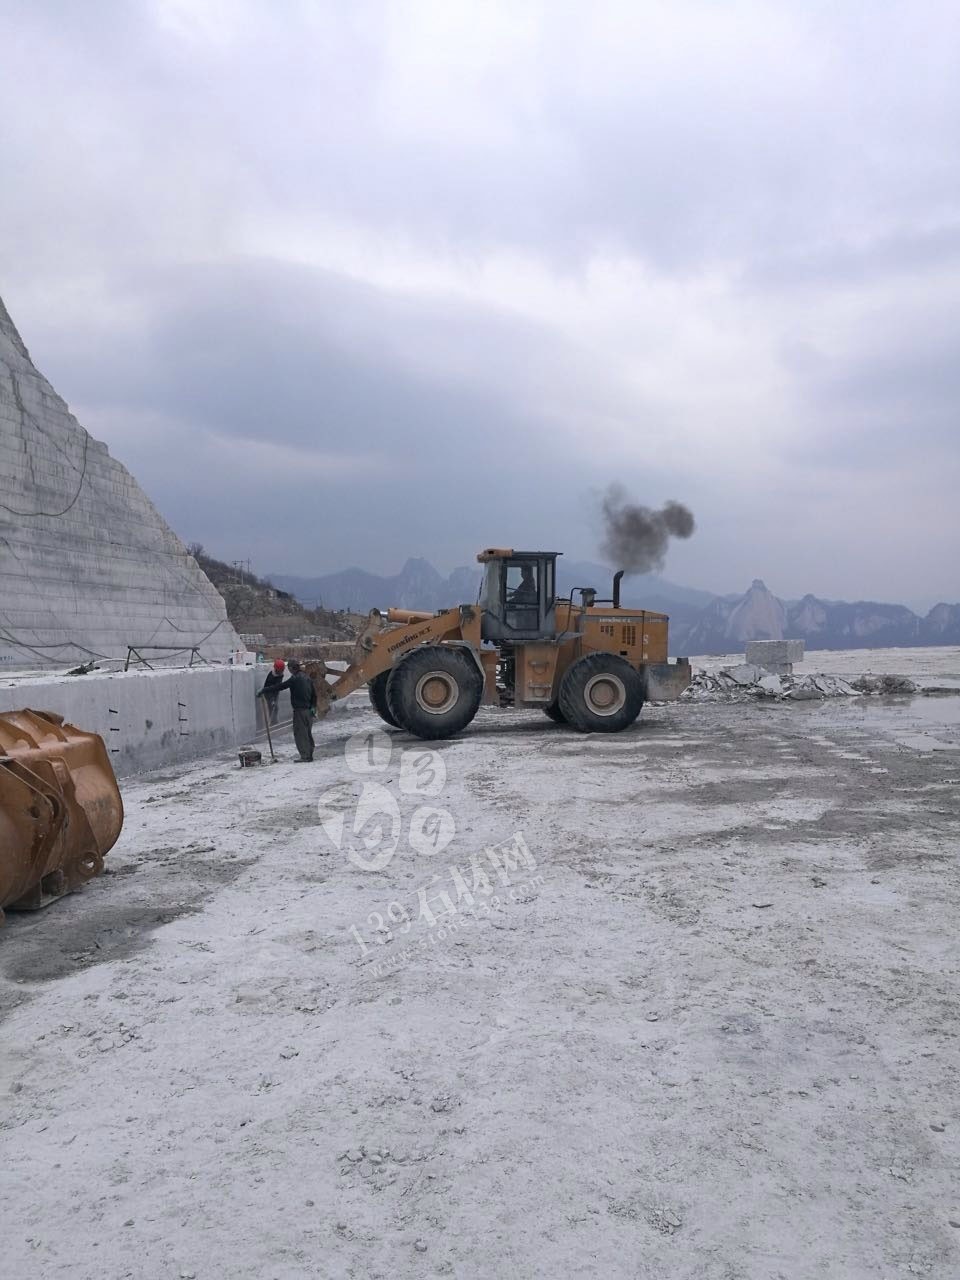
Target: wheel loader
{"points": [[586, 662]]}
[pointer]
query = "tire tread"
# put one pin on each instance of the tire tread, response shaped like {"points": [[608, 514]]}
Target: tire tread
{"points": [[402, 683], [574, 680]]}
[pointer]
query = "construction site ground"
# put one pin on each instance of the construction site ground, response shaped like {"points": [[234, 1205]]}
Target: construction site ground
{"points": [[709, 1030]]}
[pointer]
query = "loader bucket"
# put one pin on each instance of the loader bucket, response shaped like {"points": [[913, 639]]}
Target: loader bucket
{"points": [[665, 681], [317, 671], [60, 808]]}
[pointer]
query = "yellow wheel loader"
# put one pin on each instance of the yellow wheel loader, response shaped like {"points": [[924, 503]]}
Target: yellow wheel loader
{"points": [[585, 662]]}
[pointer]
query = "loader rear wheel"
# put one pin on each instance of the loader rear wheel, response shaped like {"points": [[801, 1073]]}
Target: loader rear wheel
{"points": [[555, 714], [601, 693], [377, 688], [435, 691]]}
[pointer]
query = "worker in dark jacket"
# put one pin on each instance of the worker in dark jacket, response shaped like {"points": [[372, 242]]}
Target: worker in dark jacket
{"points": [[271, 690], [303, 699]]}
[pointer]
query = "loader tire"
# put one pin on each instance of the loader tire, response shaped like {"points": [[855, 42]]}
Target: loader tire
{"points": [[435, 691], [377, 689], [392, 704], [601, 693], [555, 714]]}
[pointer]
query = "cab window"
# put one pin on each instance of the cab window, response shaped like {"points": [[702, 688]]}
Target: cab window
{"points": [[522, 592], [522, 584]]}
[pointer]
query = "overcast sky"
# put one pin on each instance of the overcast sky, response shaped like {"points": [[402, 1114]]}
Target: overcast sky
{"points": [[346, 282]]}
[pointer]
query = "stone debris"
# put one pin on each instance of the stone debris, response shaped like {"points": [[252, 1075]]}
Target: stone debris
{"points": [[870, 683], [665, 1220], [746, 674], [748, 681]]}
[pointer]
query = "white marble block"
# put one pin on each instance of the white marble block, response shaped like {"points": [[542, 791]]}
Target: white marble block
{"points": [[777, 656]]}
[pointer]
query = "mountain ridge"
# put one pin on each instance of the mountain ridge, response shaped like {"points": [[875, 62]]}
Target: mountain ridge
{"points": [[700, 622], [419, 585], [729, 622]]}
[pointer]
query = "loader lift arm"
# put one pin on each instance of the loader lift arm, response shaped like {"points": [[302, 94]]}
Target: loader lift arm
{"points": [[380, 647]]}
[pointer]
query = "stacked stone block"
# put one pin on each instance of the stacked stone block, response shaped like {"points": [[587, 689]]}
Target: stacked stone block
{"points": [[777, 656]]}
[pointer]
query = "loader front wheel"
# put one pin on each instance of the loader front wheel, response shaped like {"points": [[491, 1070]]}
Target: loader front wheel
{"points": [[435, 691], [377, 688], [601, 693]]}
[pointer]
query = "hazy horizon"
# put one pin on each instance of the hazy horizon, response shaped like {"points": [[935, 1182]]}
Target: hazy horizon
{"points": [[918, 605]]}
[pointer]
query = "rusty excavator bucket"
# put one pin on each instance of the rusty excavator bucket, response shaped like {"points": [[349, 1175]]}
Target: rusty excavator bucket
{"points": [[60, 808]]}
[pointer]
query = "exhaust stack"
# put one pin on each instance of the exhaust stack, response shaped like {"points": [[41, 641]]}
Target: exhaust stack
{"points": [[616, 588]]}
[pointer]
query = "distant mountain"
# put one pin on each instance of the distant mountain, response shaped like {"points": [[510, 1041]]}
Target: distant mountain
{"points": [[729, 622], [418, 585], [865, 625], [941, 625], [699, 621], [732, 621]]}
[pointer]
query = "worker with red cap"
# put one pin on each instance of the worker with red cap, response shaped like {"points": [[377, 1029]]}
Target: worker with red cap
{"points": [[271, 690]]}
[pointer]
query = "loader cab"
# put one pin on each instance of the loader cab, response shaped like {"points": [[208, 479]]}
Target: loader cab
{"points": [[518, 595]]}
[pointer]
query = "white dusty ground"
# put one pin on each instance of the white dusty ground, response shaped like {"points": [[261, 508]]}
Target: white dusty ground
{"points": [[712, 1033]]}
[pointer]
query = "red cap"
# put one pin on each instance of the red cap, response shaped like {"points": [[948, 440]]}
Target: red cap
{"points": [[278, 664]]}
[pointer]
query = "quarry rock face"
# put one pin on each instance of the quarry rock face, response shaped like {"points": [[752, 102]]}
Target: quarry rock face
{"points": [[88, 566]]}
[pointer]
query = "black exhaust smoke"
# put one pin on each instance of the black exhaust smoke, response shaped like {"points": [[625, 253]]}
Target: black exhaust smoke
{"points": [[637, 537]]}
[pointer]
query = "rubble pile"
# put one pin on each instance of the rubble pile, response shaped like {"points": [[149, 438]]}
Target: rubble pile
{"points": [[870, 683], [747, 681]]}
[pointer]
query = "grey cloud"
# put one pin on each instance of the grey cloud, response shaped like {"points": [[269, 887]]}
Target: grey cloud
{"points": [[308, 358], [694, 159], [890, 404], [842, 265], [262, 352], [799, 154]]}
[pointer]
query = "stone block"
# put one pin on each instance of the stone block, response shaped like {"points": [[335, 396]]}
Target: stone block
{"points": [[777, 656], [149, 719]]}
